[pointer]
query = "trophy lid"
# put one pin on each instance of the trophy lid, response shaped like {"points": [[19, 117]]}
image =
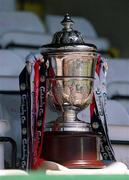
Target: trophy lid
{"points": [[68, 39]]}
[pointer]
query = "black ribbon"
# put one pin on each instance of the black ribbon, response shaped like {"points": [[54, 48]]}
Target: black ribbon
{"points": [[106, 148], [42, 106], [24, 82]]}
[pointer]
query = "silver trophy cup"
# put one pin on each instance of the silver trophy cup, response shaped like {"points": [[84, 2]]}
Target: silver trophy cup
{"points": [[70, 79]]}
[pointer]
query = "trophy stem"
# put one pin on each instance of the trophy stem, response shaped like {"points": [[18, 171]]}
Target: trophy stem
{"points": [[69, 115]]}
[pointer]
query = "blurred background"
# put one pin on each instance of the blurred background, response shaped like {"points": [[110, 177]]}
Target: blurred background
{"points": [[109, 18], [25, 25]]}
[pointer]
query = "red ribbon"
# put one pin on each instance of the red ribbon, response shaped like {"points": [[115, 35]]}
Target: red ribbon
{"points": [[40, 102], [92, 105]]}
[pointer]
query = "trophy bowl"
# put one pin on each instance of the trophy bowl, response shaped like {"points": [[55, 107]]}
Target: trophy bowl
{"points": [[72, 83], [70, 87]]}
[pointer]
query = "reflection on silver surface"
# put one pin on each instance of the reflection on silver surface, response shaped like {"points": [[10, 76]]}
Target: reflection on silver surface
{"points": [[73, 80], [71, 92]]}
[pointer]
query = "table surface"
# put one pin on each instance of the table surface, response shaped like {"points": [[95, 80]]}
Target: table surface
{"points": [[42, 176]]}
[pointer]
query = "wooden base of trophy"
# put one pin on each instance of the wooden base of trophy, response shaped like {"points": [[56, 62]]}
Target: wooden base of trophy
{"points": [[72, 149]]}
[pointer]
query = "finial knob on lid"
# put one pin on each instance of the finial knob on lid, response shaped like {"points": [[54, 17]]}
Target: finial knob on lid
{"points": [[67, 22], [67, 36]]}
